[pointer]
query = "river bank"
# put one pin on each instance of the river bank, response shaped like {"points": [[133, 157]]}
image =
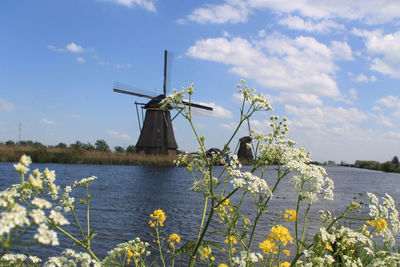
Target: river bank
{"points": [[73, 156]]}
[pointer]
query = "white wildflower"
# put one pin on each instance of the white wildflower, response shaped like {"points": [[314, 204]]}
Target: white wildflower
{"points": [[22, 169], [49, 175], [84, 181], [25, 160], [38, 216], [41, 203], [46, 236], [58, 218], [34, 259]]}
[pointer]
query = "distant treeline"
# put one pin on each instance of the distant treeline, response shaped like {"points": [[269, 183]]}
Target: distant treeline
{"points": [[82, 153], [388, 166]]}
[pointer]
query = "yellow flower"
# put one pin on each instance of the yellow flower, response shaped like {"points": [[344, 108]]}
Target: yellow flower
{"points": [[290, 215], [379, 224], [232, 240], [328, 246], [159, 218], [280, 233], [174, 238], [212, 258], [284, 264], [129, 255], [286, 252], [207, 251], [222, 265], [268, 246]]}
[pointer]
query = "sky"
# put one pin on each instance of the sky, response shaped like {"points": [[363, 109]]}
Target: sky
{"points": [[331, 67]]}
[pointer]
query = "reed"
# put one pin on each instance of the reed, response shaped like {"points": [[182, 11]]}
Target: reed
{"points": [[73, 156]]}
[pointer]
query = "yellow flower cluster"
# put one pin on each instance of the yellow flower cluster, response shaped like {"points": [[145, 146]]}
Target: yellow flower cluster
{"points": [[158, 217], [379, 224], [206, 251], [290, 215], [222, 265], [280, 233], [284, 264], [268, 246], [174, 238], [231, 240]]}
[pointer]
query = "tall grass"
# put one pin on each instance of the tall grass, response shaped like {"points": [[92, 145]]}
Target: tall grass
{"points": [[71, 156]]}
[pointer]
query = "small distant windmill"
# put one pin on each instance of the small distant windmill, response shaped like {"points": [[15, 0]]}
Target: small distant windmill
{"points": [[156, 134], [245, 146]]}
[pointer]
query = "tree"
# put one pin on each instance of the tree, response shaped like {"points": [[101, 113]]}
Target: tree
{"points": [[10, 143], [119, 149], [101, 145], [131, 149], [61, 145], [395, 160]]}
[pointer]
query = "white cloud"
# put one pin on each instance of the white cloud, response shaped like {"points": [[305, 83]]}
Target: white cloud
{"points": [[125, 136], [46, 121], [385, 48], [384, 121], [118, 135], [299, 65], [146, 4], [80, 60], [6, 106], [71, 47], [325, 115], [112, 132], [74, 48], [75, 116], [218, 111], [234, 11], [298, 23], [389, 101], [228, 126], [362, 78]]}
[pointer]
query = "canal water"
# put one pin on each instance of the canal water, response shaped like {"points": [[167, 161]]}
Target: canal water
{"points": [[124, 196]]}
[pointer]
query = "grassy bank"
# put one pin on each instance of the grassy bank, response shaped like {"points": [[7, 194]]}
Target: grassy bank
{"points": [[388, 166], [44, 154]]}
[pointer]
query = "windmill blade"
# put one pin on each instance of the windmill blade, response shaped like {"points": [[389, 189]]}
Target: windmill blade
{"points": [[168, 56], [197, 106], [130, 90]]}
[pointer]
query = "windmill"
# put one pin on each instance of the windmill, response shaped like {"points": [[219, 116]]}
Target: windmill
{"points": [[156, 131], [245, 146]]}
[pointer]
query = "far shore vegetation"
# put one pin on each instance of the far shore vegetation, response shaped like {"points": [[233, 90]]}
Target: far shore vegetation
{"points": [[101, 153], [81, 153]]}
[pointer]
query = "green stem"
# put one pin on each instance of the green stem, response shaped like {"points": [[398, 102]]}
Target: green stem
{"points": [[159, 245], [77, 221], [87, 214], [304, 225], [296, 224], [193, 257]]}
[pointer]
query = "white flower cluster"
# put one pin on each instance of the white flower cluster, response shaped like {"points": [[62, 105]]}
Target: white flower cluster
{"points": [[14, 214], [72, 258], [18, 260], [85, 181], [250, 97], [243, 259], [251, 183], [22, 166], [387, 210], [66, 201], [309, 180], [58, 218], [46, 236], [118, 254]]}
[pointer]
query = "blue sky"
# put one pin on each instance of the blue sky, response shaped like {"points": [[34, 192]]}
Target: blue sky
{"points": [[331, 67]]}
